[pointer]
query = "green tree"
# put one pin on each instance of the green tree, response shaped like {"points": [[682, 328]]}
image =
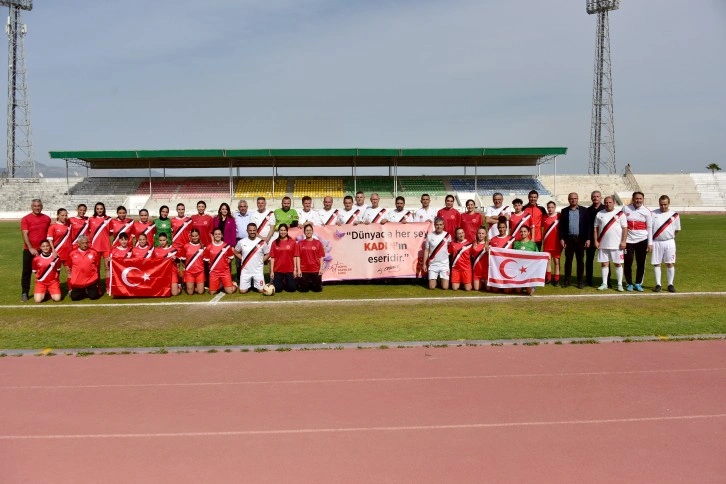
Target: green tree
{"points": [[713, 167]]}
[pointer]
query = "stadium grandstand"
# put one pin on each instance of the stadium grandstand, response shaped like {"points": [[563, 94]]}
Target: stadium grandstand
{"points": [[689, 192]]}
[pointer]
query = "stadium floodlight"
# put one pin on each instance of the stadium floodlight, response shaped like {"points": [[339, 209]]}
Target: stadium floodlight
{"points": [[21, 4], [595, 6], [602, 129], [20, 158]]}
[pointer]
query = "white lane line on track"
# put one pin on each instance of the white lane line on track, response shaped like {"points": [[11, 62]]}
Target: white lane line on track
{"points": [[439, 299], [363, 380], [364, 429], [216, 298]]}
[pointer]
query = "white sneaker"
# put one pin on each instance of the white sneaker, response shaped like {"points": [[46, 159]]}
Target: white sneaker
{"points": [[620, 288], [603, 287]]}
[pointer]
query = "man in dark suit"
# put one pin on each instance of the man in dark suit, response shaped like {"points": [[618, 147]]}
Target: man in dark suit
{"points": [[575, 233]]}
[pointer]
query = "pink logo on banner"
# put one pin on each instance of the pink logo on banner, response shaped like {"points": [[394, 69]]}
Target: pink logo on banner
{"points": [[371, 251]]}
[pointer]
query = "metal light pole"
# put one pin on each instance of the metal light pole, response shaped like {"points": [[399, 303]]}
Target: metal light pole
{"points": [[20, 158], [602, 129]]}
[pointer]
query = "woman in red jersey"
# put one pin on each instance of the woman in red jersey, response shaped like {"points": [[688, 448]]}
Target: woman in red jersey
{"points": [[59, 236], [460, 252], [551, 243], [99, 228], [480, 260], [121, 249], [282, 261], [46, 266], [193, 257], [309, 255], [218, 254], [143, 249], [165, 251], [501, 241], [471, 220]]}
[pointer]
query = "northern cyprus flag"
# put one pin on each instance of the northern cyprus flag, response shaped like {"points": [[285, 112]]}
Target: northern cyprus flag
{"points": [[510, 268]]}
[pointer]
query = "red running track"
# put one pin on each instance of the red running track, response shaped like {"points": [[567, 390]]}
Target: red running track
{"points": [[616, 412]]}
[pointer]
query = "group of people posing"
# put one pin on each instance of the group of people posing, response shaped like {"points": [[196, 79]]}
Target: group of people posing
{"points": [[204, 247]]}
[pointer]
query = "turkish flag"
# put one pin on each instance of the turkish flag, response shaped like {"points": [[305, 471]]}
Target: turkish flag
{"points": [[138, 277], [516, 268]]}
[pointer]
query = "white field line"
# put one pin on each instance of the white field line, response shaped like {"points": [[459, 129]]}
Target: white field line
{"points": [[217, 297], [336, 430], [268, 302], [365, 380]]}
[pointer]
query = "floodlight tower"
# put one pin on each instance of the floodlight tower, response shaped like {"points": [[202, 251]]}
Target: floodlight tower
{"points": [[21, 161], [602, 129]]}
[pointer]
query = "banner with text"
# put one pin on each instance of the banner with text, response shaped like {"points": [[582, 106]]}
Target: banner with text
{"points": [[371, 251]]}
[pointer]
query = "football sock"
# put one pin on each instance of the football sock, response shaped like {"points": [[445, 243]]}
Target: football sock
{"points": [[656, 270], [671, 274], [619, 274], [605, 272]]}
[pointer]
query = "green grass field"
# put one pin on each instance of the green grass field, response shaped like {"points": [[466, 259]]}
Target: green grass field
{"points": [[458, 316]]}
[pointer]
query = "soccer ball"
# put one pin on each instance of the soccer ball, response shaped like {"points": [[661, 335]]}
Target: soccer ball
{"points": [[268, 290]]}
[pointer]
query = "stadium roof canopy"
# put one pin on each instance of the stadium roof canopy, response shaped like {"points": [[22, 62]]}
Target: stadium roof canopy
{"points": [[328, 157]]}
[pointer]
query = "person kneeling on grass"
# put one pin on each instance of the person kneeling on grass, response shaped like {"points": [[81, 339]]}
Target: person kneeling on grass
{"points": [[525, 244], [218, 255], [164, 251], [309, 255], [192, 255], [253, 252], [46, 266], [84, 263], [460, 252]]}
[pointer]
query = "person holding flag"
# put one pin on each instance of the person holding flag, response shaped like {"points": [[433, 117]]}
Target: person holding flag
{"points": [[121, 249], [192, 255], [502, 239], [253, 252], [436, 255], [218, 255], [165, 251], [666, 224], [610, 235], [121, 224], [525, 243], [460, 253], [46, 266], [143, 249]]}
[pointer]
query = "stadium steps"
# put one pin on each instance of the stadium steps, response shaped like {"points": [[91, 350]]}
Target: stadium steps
{"points": [[711, 187], [680, 187]]}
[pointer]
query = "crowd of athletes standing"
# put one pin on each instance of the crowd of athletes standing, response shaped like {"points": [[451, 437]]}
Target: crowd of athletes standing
{"points": [[203, 246]]}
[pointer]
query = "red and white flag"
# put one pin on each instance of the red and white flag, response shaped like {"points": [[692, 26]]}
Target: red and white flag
{"points": [[510, 268], [138, 277]]}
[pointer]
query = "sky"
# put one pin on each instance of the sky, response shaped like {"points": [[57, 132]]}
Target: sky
{"points": [[175, 74]]}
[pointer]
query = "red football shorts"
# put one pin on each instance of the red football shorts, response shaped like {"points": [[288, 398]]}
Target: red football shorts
{"points": [[194, 278], [481, 271], [555, 254], [44, 287], [215, 282], [461, 276]]}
